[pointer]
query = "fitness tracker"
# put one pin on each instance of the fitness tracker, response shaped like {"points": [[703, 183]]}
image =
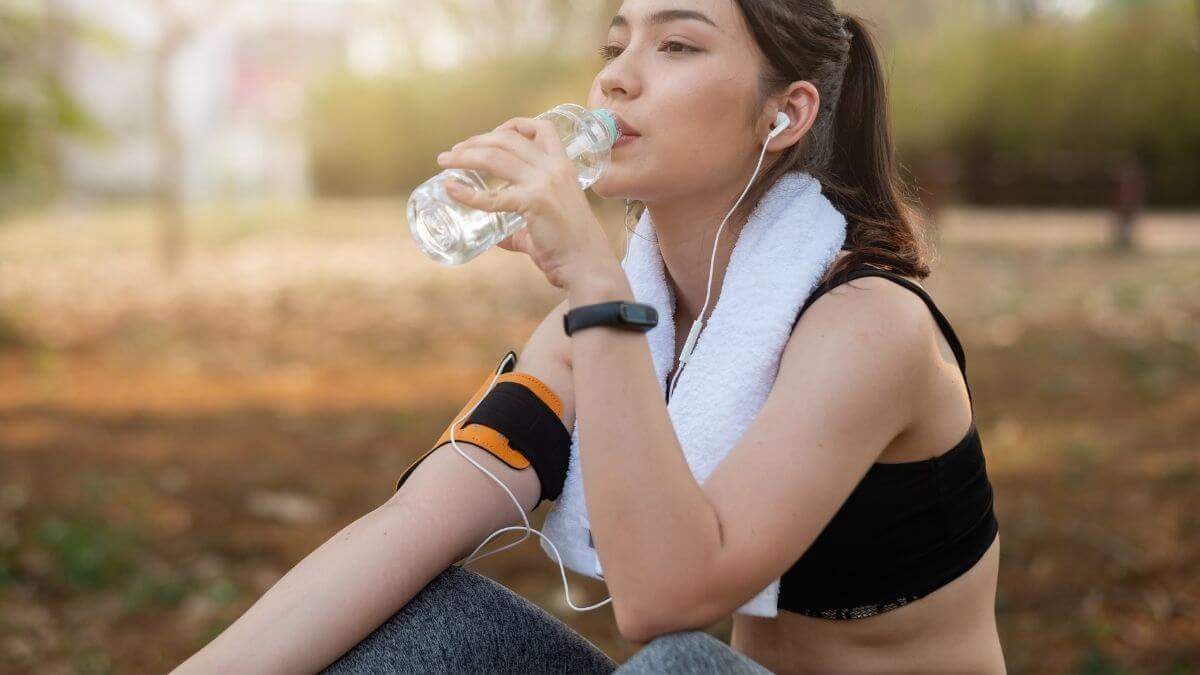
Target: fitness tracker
{"points": [[617, 313]]}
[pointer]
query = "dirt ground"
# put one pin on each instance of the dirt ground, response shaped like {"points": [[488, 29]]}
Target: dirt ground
{"points": [[169, 447]]}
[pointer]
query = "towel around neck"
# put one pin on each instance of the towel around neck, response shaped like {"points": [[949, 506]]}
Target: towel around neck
{"points": [[787, 245]]}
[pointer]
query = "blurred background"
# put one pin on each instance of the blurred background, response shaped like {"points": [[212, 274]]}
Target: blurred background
{"points": [[219, 344]]}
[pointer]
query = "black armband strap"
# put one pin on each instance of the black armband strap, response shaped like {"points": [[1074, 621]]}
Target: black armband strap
{"points": [[520, 422], [532, 429]]}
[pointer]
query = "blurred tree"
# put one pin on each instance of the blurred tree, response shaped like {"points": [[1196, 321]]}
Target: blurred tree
{"points": [[1129, 196], [178, 27], [1039, 113], [497, 29], [35, 107], [380, 134]]}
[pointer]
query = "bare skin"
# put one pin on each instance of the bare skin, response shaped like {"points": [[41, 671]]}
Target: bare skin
{"points": [[952, 629]]}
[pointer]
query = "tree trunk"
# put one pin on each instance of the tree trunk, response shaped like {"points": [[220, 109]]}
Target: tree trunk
{"points": [[168, 189]]}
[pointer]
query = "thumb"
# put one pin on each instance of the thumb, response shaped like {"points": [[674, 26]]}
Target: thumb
{"points": [[509, 243]]}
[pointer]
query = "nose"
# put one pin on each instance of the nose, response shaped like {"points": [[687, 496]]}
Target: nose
{"points": [[618, 79]]}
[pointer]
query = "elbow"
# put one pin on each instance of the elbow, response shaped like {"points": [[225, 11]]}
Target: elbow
{"points": [[631, 613], [632, 627], [686, 598], [635, 616], [641, 622]]}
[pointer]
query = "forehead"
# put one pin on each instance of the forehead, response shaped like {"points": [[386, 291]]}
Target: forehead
{"points": [[714, 15]]}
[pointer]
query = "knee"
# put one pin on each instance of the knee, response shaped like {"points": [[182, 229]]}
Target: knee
{"points": [[686, 640], [692, 651], [673, 652]]}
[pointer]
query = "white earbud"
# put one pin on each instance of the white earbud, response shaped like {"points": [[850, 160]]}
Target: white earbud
{"points": [[782, 122]]}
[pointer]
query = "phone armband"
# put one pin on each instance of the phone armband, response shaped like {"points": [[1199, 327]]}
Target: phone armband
{"points": [[520, 421]]}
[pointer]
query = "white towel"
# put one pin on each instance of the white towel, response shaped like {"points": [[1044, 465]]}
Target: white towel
{"points": [[791, 238]]}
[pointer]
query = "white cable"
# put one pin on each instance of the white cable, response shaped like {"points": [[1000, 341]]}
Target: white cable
{"points": [[683, 357], [471, 558], [694, 334]]}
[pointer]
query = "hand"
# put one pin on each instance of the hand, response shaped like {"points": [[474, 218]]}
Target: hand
{"points": [[562, 234]]}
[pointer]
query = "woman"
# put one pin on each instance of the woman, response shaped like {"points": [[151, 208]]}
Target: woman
{"points": [[878, 509]]}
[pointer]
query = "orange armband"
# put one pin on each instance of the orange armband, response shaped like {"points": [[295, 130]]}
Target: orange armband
{"points": [[519, 421]]}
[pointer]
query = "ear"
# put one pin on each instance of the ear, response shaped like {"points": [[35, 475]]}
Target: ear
{"points": [[801, 102]]}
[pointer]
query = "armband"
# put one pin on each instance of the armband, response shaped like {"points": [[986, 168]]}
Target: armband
{"points": [[520, 421]]}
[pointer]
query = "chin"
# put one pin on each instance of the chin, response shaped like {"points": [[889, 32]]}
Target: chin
{"points": [[601, 188]]}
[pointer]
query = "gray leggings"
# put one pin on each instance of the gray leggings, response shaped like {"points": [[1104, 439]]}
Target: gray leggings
{"points": [[464, 622]]}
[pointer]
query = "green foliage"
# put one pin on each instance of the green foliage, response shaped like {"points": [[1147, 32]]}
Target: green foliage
{"points": [[34, 109], [8, 564], [90, 554], [1041, 112], [1095, 662], [11, 336], [382, 135], [1031, 112]]}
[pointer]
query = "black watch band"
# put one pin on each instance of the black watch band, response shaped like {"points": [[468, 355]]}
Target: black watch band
{"points": [[617, 313]]}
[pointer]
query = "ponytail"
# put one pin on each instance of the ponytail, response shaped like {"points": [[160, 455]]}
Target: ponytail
{"points": [[862, 180], [849, 146]]}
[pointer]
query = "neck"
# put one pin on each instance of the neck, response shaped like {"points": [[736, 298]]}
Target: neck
{"points": [[686, 230]]}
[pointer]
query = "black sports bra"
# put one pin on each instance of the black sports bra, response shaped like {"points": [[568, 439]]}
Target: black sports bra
{"points": [[907, 529]]}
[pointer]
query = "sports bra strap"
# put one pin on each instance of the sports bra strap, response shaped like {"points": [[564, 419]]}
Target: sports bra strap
{"points": [[947, 330]]}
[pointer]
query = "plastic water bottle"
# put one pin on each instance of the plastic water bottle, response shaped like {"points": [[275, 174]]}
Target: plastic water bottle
{"points": [[452, 233]]}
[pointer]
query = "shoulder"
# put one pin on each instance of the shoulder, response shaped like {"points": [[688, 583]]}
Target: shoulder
{"points": [[868, 331], [866, 303]]}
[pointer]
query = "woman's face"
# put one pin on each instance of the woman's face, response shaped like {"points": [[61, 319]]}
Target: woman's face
{"points": [[687, 87]]}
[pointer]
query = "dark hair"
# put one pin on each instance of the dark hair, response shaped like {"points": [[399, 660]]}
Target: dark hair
{"points": [[849, 147]]}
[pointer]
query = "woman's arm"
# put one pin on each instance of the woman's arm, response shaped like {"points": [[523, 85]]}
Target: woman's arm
{"points": [[353, 582]]}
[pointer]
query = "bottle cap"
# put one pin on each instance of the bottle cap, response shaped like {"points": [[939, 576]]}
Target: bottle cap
{"points": [[609, 121]]}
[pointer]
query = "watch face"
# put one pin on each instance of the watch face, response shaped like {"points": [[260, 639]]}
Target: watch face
{"points": [[639, 314]]}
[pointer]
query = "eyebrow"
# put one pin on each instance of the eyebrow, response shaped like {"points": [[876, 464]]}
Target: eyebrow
{"points": [[666, 16]]}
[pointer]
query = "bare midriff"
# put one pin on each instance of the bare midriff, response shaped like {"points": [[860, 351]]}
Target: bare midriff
{"points": [[953, 629]]}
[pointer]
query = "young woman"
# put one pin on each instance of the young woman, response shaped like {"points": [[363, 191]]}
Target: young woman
{"points": [[862, 476]]}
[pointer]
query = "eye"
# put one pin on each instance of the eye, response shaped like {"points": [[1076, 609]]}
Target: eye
{"points": [[610, 52]]}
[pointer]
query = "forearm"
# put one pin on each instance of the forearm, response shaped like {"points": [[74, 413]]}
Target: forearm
{"points": [[333, 598], [649, 517]]}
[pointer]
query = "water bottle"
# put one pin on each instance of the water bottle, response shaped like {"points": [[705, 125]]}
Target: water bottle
{"points": [[452, 233]]}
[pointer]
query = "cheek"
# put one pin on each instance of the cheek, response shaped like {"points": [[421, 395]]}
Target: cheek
{"points": [[594, 97], [708, 134]]}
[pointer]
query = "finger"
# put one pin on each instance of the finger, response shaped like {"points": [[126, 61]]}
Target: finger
{"points": [[506, 200], [495, 161], [543, 133], [509, 243], [519, 125], [507, 126], [506, 139]]}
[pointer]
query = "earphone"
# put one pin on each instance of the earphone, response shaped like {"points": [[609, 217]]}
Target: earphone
{"points": [[782, 123]]}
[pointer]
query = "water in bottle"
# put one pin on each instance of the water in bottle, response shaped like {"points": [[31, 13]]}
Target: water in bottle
{"points": [[452, 233]]}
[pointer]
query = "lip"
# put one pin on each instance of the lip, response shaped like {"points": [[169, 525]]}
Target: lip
{"points": [[626, 128], [625, 140]]}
